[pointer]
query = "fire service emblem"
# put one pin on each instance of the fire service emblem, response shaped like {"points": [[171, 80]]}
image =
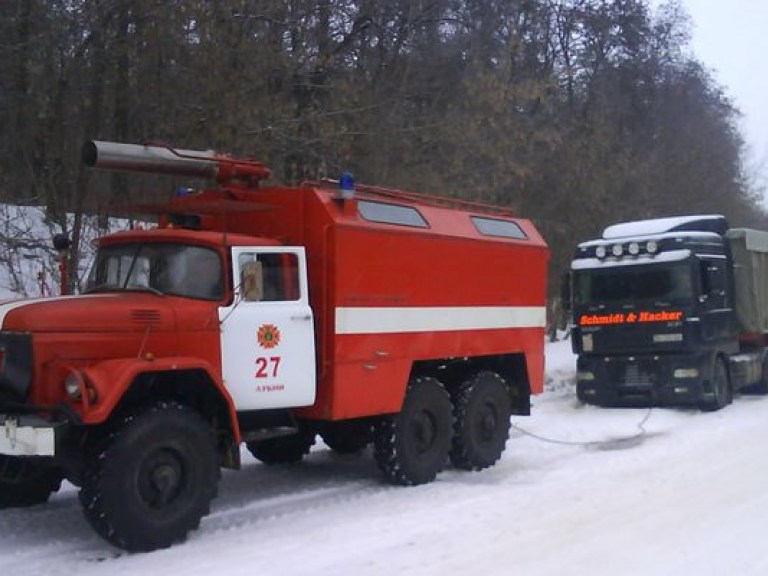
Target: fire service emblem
{"points": [[268, 336]]}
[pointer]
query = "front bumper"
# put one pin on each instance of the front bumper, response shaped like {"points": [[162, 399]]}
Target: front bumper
{"points": [[644, 380], [28, 435]]}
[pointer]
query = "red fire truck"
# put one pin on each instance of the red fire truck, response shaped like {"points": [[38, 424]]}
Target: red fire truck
{"points": [[266, 316]]}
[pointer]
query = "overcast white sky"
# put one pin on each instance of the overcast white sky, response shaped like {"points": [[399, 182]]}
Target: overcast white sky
{"points": [[731, 38]]}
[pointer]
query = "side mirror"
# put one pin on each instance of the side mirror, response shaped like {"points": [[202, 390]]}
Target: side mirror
{"points": [[565, 292]]}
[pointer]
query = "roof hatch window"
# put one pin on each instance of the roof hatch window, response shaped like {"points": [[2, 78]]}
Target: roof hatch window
{"points": [[391, 214], [503, 228]]}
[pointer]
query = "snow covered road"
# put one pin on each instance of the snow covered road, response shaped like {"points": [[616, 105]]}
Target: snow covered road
{"points": [[687, 496]]}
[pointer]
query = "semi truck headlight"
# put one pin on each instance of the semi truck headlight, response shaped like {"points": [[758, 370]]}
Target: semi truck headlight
{"points": [[686, 373], [585, 376], [675, 337]]}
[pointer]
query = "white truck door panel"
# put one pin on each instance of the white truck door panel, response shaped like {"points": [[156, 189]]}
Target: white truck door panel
{"points": [[267, 334]]}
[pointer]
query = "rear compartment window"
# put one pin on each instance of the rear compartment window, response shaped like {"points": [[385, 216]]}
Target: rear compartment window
{"points": [[503, 228], [391, 214]]}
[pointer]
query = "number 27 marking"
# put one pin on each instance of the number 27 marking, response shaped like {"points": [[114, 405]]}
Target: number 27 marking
{"points": [[263, 364]]}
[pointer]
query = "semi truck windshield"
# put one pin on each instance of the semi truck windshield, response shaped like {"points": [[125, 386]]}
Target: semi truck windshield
{"points": [[669, 284]]}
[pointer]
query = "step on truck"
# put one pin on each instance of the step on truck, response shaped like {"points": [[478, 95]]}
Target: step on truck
{"points": [[265, 316], [671, 311]]}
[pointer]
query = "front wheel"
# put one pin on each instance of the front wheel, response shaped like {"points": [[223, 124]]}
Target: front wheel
{"points": [[152, 479], [24, 482], [481, 425], [412, 446], [721, 388]]}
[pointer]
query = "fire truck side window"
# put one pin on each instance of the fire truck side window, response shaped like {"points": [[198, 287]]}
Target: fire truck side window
{"points": [[269, 277]]}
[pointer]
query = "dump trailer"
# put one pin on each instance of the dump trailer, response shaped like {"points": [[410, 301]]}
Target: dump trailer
{"points": [[671, 311], [266, 316]]}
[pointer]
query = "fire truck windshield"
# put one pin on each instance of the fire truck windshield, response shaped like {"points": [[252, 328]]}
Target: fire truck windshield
{"points": [[176, 269], [660, 285]]}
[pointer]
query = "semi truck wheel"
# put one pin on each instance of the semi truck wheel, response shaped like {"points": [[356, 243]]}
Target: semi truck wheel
{"points": [[26, 483], [283, 449], [720, 387], [412, 446], [152, 479], [481, 422], [762, 386]]}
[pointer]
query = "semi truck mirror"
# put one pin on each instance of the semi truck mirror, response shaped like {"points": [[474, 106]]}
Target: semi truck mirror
{"points": [[565, 292]]}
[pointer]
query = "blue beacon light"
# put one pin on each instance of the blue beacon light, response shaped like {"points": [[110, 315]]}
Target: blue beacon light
{"points": [[346, 186]]}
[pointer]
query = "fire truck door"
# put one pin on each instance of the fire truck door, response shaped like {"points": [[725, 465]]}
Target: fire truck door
{"points": [[267, 334]]}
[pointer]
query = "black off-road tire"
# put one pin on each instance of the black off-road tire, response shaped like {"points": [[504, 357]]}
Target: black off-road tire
{"points": [[411, 447], [348, 437], [721, 387], [482, 409], [24, 482], [152, 479], [283, 449]]}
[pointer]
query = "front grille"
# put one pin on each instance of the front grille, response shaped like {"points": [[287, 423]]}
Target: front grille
{"points": [[635, 374], [16, 373]]}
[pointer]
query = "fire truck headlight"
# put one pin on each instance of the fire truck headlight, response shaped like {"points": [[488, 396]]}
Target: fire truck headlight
{"points": [[651, 247], [634, 248], [72, 386], [601, 252], [617, 250]]}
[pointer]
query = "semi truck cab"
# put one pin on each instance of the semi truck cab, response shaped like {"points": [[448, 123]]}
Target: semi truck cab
{"points": [[662, 312]]}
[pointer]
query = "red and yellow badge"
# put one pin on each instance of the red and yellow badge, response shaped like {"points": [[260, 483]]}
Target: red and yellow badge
{"points": [[268, 335]]}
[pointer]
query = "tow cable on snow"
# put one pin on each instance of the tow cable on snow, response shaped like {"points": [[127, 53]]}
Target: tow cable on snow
{"points": [[619, 443]]}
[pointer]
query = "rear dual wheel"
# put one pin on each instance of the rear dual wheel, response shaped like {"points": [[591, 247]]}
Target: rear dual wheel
{"points": [[482, 411], [283, 449], [347, 437], [762, 386], [411, 447]]}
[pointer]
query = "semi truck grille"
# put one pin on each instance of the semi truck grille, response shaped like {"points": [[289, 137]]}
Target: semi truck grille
{"points": [[634, 375]]}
